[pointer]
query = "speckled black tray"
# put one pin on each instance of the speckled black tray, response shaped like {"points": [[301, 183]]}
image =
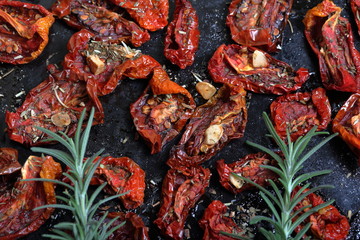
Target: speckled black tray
{"points": [[118, 124]]}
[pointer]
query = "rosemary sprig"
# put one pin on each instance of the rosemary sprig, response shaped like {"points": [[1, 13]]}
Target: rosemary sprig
{"points": [[76, 197], [282, 202]]}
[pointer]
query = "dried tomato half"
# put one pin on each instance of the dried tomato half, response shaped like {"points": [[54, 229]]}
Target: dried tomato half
{"points": [[355, 7], [259, 23], [122, 175], [24, 31], [214, 221], [183, 35], [347, 123], [162, 110], [181, 189], [106, 24], [9, 161], [327, 223], [133, 229], [211, 127], [248, 167], [17, 217], [255, 70], [54, 105], [149, 14], [330, 37], [299, 112]]}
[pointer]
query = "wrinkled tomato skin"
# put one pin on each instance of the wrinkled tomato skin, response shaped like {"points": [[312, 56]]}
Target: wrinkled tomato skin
{"points": [[355, 8], [162, 110], [182, 35], [181, 189], [259, 23], [24, 31], [122, 175], [330, 37], [9, 161], [347, 125], [225, 111], [214, 221], [327, 223], [300, 112], [106, 24], [149, 14], [248, 167], [42, 104], [278, 78], [17, 217]]}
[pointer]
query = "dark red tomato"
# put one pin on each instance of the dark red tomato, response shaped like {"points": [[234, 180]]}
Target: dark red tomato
{"points": [[149, 14], [107, 25], [327, 223], [248, 167], [347, 123], [211, 127], [330, 36], [162, 110], [181, 189], [24, 31], [9, 161], [54, 105], [122, 175], [355, 7], [255, 70], [259, 23], [183, 35], [214, 221], [17, 217], [299, 112], [133, 229]]}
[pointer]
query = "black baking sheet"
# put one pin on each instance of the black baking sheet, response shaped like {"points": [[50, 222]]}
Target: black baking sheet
{"points": [[118, 125]]}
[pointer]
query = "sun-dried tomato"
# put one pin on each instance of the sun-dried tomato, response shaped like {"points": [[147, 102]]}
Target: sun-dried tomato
{"points": [[255, 70], [17, 217], [327, 223], [214, 221], [122, 175], [181, 189], [248, 167], [347, 123], [54, 105], [149, 14], [211, 127], [133, 229], [106, 24], [330, 37], [162, 110], [299, 112], [96, 62], [9, 161], [355, 7], [183, 35], [259, 23], [24, 31]]}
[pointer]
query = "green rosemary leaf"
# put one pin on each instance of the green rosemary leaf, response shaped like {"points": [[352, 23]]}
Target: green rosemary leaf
{"points": [[61, 198], [234, 235], [46, 180], [294, 214], [91, 171], [60, 155], [85, 136], [302, 142], [95, 194], [107, 233], [301, 190], [306, 176], [274, 169], [62, 206], [71, 177], [265, 149], [257, 219], [96, 206], [299, 197], [271, 206], [56, 237], [64, 225], [78, 131], [268, 235], [277, 192], [302, 231]]}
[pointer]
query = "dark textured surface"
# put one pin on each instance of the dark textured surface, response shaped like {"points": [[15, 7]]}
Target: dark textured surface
{"points": [[118, 124]]}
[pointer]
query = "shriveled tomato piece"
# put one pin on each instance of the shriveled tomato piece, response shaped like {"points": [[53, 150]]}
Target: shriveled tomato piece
{"points": [[259, 23], [355, 7], [183, 35], [211, 127], [347, 123], [100, 19], [54, 105], [248, 167], [327, 223], [17, 217], [9, 161], [181, 189], [24, 31], [214, 222], [299, 112], [255, 70], [162, 110]]}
